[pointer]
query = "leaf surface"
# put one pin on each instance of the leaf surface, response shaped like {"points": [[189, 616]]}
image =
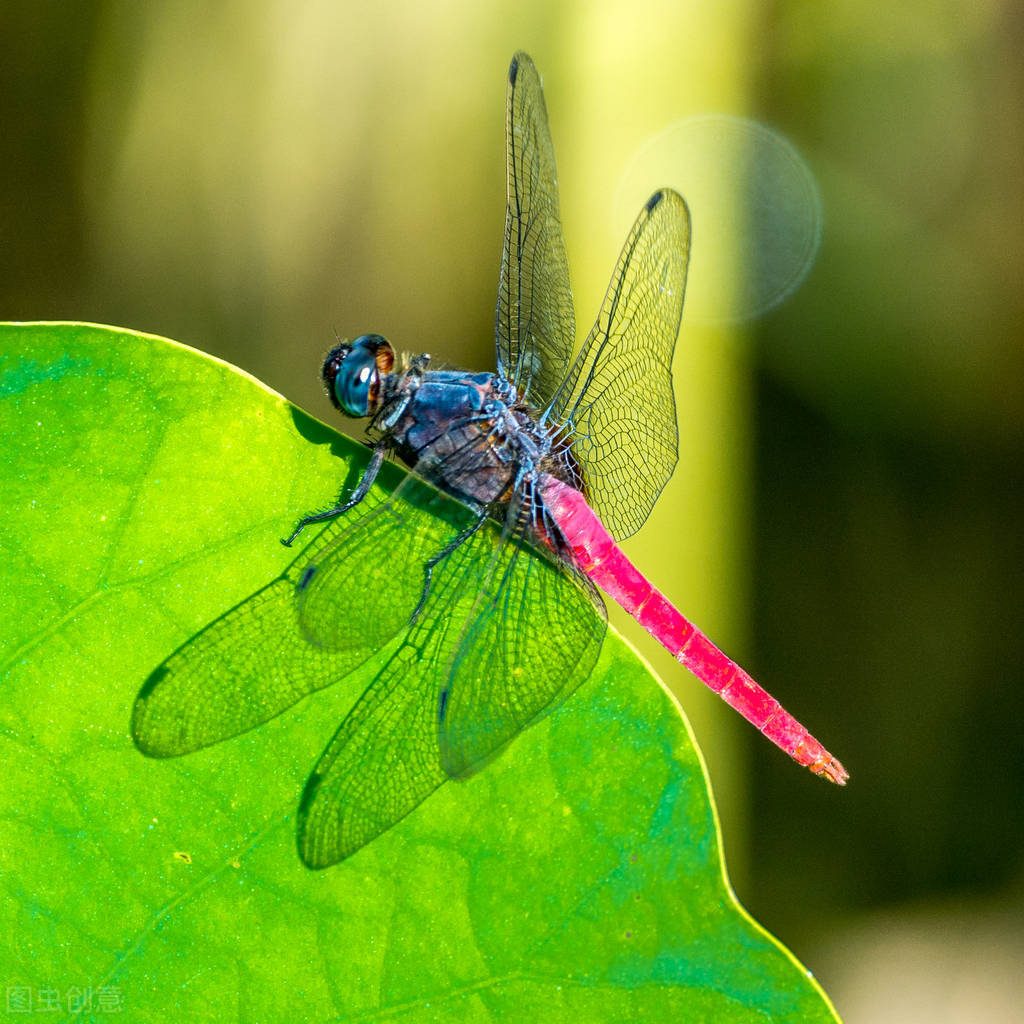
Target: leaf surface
{"points": [[578, 877]]}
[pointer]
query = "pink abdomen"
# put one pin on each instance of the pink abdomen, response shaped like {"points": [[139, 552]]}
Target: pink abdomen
{"points": [[600, 558]]}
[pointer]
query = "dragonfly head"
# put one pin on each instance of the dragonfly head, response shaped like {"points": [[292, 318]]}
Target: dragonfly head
{"points": [[352, 374]]}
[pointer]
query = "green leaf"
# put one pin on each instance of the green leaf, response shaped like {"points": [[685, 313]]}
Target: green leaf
{"points": [[577, 877]]}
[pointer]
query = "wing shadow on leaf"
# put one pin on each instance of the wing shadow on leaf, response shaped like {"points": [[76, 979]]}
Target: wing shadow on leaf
{"points": [[363, 574], [507, 634], [256, 660]]}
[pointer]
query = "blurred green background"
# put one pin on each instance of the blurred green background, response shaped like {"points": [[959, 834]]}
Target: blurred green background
{"points": [[252, 177]]}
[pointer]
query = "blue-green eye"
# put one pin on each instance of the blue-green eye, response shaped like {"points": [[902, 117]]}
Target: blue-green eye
{"points": [[352, 374]]}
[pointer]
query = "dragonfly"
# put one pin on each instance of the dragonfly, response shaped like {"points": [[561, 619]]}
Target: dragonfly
{"points": [[522, 483]]}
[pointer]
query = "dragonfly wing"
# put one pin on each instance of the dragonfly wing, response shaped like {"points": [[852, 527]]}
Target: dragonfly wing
{"points": [[534, 321], [380, 765], [618, 396], [384, 759], [256, 660], [242, 670], [375, 563], [533, 638]]}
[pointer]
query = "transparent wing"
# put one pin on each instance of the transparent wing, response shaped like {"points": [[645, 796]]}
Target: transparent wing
{"points": [[362, 587], [617, 398], [256, 660], [534, 637], [387, 756], [383, 761], [534, 322]]}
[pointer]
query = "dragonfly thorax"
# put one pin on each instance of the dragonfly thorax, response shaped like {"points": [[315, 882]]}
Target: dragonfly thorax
{"points": [[471, 434]]}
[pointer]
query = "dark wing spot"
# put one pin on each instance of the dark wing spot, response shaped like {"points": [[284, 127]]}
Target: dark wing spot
{"points": [[655, 199], [442, 704], [307, 576], [155, 678], [513, 70], [309, 792]]}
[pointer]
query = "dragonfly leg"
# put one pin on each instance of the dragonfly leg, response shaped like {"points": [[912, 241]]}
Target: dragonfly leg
{"points": [[362, 489], [428, 568]]}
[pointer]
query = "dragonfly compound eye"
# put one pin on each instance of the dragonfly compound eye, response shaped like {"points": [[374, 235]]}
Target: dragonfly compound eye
{"points": [[352, 374]]}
